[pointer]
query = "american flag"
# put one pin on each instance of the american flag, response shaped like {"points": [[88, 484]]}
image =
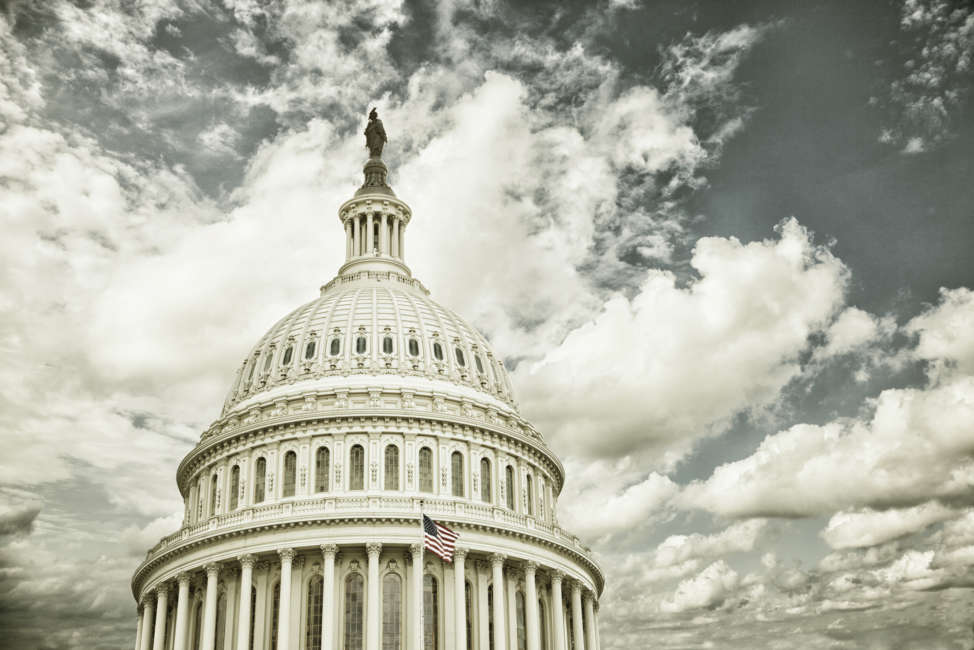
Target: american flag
{"points": [[439, 539]]}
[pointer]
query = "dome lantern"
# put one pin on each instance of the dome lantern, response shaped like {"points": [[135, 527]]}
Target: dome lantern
{"points": [[375, 219]]}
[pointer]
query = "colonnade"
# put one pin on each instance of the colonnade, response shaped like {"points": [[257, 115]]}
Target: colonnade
{"points": [[572, 626], [360, 234]]}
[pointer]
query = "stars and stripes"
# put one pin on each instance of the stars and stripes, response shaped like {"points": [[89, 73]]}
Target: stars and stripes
{"points": [[439, 539]]}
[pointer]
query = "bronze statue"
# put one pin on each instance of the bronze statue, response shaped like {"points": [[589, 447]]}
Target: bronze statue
{"points": [[375, 135]]}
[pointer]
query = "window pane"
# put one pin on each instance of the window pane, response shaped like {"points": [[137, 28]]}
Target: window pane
{"points": [[268, 359], [309, 350], [413, 348], [336, 347], [387, 345], [288, 353], [260, 478], [480, 365], [234, 486], [485, 480], [425, 470], [290, 470], [391, 612], [456, 463], [510, 487], [438, 351], [353, 612], [313, 628], [322, 466], [392, 467], [360, 345], [357, 468], [430, 613], [213, 484], [460, 359], [530, 489]]}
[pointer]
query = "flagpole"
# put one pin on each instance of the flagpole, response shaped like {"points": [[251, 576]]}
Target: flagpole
{"points": [[422, 579]]}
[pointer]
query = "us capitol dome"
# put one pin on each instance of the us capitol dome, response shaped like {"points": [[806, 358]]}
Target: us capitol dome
{"points": [[351, 417]]}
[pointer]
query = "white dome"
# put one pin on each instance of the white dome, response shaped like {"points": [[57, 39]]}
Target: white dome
{"points": [[379, 325]]}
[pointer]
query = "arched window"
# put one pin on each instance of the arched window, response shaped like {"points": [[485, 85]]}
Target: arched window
{"points": [[322, 466], [288, 353], [468, 601], [290, 473], [392, 467], [425, 469], [510, 486], [309, 349], [391, 612], [221, 621], [485, 494], [353, 611], [313, 617], [253, 615], [413, 348], [260, 479], [198, 626], [431, 610], [336, 347], [361, 345], [480, 364], [456, 466], [234, 487], [387, 345], [356, 468], [213, 487], [522, 635], [529, 486], [275, 613], [461, 361], [438, 351], [543, 625]]}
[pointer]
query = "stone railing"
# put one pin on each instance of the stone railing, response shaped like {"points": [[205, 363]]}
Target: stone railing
{"points": [[340, 507]]}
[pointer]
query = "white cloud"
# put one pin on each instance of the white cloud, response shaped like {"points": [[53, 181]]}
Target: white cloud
{"points": [[871, 527], [675, 363], [853, 329], [709, 588], [738, 537]]}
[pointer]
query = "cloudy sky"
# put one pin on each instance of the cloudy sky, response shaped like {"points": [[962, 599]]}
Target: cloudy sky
{"points": [[724, 247]]}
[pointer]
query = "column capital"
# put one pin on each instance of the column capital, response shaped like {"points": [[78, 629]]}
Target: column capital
{"points": [[416, 549], [497, 560], [212, 569], [530, 567], [287, 554], [460, 552], [373, 549], [183, 578], [247, 561], [482, 566], [557, 576], [589, 595], [329, 549], [162, 588], [576, 586]]}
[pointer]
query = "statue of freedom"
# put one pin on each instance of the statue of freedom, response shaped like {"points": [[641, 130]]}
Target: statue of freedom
{"points": [[375, 135]]}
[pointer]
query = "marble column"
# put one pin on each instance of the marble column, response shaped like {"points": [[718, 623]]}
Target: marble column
{"points": [[558, 610], [384, 234], [329, 551], [483, 614], [284, 613], [577, 615], [531, 606], [162, 604], [356, 237], [598, 635], [395, 237], [511, 599], [182, 612], [148, 618], [209, 608], [591, 629], [369, 235], [372, 549], [246, 582], [348, 239], [402, 240], [416, 598], [500, 629], [460, 596], [138, 627]]}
